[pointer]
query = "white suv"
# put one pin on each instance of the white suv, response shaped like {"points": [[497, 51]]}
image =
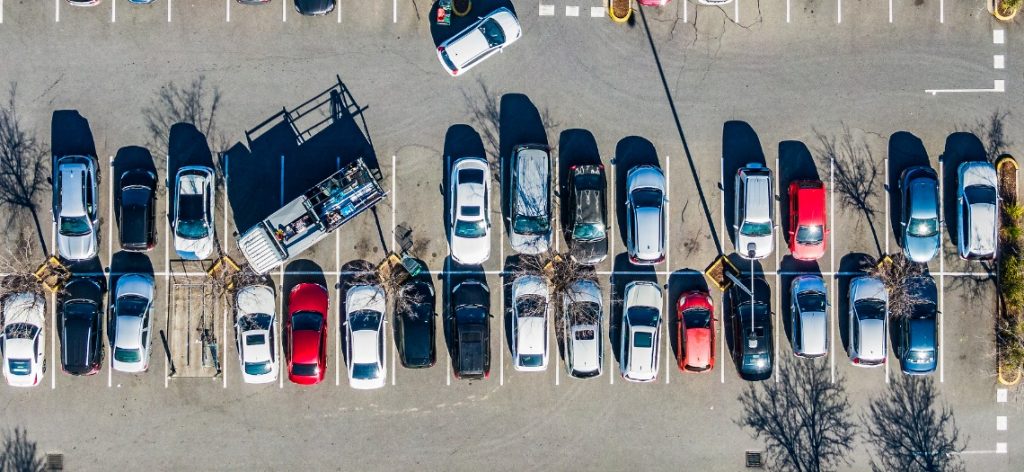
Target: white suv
{"points": [[641, 326], [490, 34], [754, 221]]}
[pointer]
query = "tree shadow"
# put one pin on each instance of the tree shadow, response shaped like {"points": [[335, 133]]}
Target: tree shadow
{"points": [[680, 282], [630, 152], [441, 33], [960, 147], [850, 266], [740, 146], [19, 453], [195, 104], [992, 132], [795, 164], [905, 151], [23, 170], [855, 175], [791, 269], [623, 273]]}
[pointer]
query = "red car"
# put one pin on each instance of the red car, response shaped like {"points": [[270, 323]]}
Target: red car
{"points": [[305, 334], [807, 230], [696, 333]]}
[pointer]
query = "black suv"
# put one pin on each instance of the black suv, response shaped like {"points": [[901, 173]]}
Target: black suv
{"points": [[752, 342], [471, 329], [588, 235], [414, 325], [80, 343], [136, 204]]}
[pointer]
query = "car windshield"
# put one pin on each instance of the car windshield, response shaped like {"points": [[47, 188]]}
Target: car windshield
{"points": [[756, 229], [980, 194], [647, 197], [305, 370], [531, 225], [697, 318], [643, 340], [127, 355], [306, 321], [191, 218], [811, 302], [530, 305], [643, 315], [363, 320], [492, 31], [74, 226], [870, 309], [470, 229], [922, 355], [584, 335], [923, 228], [585, 312], [364, 371], [20, 331], [131, 305], [257, 368], [755, 361], [80, 309], [531, 360], [588, 232], [810, 234]]}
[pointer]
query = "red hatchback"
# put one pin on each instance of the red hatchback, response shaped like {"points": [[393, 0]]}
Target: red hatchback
{"points": [[807, 229], [696, 332], [305, 332]]}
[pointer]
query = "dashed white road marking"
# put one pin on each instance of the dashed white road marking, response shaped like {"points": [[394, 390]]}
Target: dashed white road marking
{"points": [[942, 11], [1000, 423], [1000, 448], [339, 12], [284, 11], [595, 12], [1001, 395], [547, 10], [998, 36], [1, 12], [394, 11], [572, 10], [787, 11], [686, 14], [999, 61], [736, 10], [890, 11]]}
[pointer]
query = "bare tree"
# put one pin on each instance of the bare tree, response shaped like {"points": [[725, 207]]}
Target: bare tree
{"points": [[805, 419], [19, 454], [856, 173], [909, 432], [23, 165], [196, 104], [561, 272], [897, 275]]}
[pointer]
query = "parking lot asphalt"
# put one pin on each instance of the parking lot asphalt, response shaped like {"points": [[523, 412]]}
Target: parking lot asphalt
{"points": [[700, 91]]}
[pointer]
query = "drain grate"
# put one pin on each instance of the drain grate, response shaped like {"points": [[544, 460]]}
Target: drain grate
{"points": [[755, 460], [54, 461]]}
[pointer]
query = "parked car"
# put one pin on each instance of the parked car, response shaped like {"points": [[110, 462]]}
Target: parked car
{"points": [[919, 188], [530, 199], [582, 318], [255, 340], [84, 3], [470, 309], [807, 316], [807, 228], [253, 2], [531, 303], [753, 345], [22, 338], [305, 333], [588, 228], [754, 212], [132, 336], [977, 211], [869, 318], [714, 2], [653, 3], [695, 335], [194, 237], [918, 330], [81, 347], [136, 202], [492, 33], [75, 205], [365, 337], [414, 325], [641, 329], [469, 204], [645, 201], [314, 7]]}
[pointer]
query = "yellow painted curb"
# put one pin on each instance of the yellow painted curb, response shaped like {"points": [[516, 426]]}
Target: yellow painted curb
{"points": [[611, 14], [995, 11], [1008, 383], [462, 13], [1006, 159]]}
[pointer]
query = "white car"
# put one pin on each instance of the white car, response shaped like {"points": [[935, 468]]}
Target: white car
{"points": [[22, 338], [583, 314], [489, 35], [255, 339], [193, 212], [75, 207], [132, 338], [470, 211], [530, 307], [641, 329], [869, 321], [645, 215], [365, 336], [754, 214], [977, 212]]}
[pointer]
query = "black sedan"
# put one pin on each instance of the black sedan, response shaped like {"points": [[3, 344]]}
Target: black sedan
{"points": [[414, 325], [751, 317], [471, 346], [80, 341], [314, 7], [588, 235], [136, 204]]}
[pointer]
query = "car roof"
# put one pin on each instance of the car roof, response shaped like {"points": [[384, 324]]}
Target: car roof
{"points": [[648, 222], [921, 333], [871, 338], [532, 335], [365, 346], [259, 352], [924, 198], [982, 218], [129, 332], [758, 195], [813, 331], [72, 179], [305, 346], [467, 47], [585, 352], [532, 181], [811, 203]]}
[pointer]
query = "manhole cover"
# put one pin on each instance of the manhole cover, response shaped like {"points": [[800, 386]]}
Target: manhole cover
{"points": [[54, 461], [754, 460]]}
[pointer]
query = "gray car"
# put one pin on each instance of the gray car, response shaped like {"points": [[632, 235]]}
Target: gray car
{"points": [[645, 217], [869, 318], [807, 316], [530, 199], [75, 207], [919, 187]]}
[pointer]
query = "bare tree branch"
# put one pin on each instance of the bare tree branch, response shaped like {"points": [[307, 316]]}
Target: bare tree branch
{"points": [[895, 275]]}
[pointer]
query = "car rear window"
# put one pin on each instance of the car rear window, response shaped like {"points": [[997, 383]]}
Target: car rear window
{"points": [[643, 340], [305, 370]]}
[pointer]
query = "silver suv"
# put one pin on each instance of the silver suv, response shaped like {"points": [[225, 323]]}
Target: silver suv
{"points": [[754, 212], [645, 226], [530, 199], [75, 207]]}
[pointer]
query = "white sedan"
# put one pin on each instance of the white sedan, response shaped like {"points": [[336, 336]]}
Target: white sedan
{"points": [[133, 323], [193, 212], [530, 307], [489, 35], [254, 333], [365, 336], [469, 206], [22, 339]]}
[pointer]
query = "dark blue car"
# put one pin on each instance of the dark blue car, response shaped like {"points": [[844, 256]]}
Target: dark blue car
{"points": [[918, 339]]}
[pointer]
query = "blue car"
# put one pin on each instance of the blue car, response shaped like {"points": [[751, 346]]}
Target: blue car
{"points": [[917, 336]]}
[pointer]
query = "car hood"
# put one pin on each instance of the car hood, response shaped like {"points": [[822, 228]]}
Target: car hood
{"points": [[762, 245], [24, 308], [509, 24], [646, 177], [590, 252], [643, 294], [532, 335], [921, 249], [531, 244], [314, 7], [471, 250], [77, 248]]}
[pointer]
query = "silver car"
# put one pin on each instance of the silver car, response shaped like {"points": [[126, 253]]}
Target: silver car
{"points": [[194, 237], [869, 321], [807, 316], [645, 202], [530, 199], [754, 212], [530, 310], [132, 338], [582, 317], [977, 211], [919, 188], [75, 205]]}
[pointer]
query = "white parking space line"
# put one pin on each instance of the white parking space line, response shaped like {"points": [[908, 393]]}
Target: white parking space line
{"points": [[736, 11], [394, 11], [942, 11], [778, 279], [832, 267], [668, 342], [337, 289], [890, 11], [394, 209], [339, 12], [447, 285], [547, 10], [613, 221], [113, 11], [227, 11], [224, 321], [721, 328], [169, 3], [56, 5], [167, 255], [277, 326], [550, 314], [787, 11], [501, 300], [1000, 423], [668, 260], [1000, 448], [571, 10], [110, 257], [839, 11], [284, 11], [686, 14], [53, 315], [998, 36], [942, 286], [887, 196], [1, 12], [998, 61]]}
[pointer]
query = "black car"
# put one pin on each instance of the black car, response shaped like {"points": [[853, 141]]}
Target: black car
{"points": [[751, 317], [588, 235], [917, 345], [414, 325], [136, 203], [80, 341], [471, 329], [314, 7]]}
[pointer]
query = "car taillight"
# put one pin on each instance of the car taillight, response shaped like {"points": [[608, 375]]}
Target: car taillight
{"points": [[600, 166], [455, 72], [440, 49], [487, 374], [856, 360], [572, 167]]}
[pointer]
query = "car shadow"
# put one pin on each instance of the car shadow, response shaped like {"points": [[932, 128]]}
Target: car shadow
{"points": [[187, 146], [460, 141], [740, 146], [960, 147], [519, 122], [680, 282], [850, 266], [576, 147], [795, 163], [630, 152], [70, 134], [624, 272], [905, 151], [479, 8]]}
